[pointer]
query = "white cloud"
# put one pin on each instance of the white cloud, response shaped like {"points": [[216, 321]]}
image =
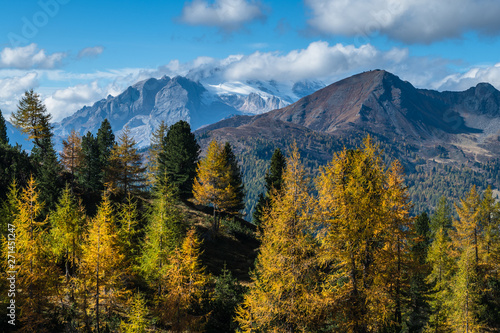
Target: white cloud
{"points": [[225, 14], [66, 101], [89, 52], [410, 21], [29, 57], [318, 61], [12, 88], [470, 78]]}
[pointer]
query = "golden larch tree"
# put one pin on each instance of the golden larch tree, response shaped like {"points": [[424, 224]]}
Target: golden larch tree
{"points": [[185, 282], [364, 213], [36, 273], [67, 230], [126, 173], [101, 266], [72, 156], [285, 294], [213, 184]]}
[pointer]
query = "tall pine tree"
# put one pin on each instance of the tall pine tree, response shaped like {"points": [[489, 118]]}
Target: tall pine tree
{"points": [[3, 130], [178, 158], [33, 119], [236, 180], [105, 143], [274, 180]]}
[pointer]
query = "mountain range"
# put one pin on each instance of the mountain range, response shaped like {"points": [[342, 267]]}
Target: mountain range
{"points": [[142, 106], [447, 141], [434, 134]]}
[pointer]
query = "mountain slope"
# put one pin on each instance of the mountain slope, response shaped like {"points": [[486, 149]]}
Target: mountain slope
{"points": [[379, 103], [424, 129]]}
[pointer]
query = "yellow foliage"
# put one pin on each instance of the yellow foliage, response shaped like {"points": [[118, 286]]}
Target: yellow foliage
{"points": [[285, 296], [101, 261], [72, 156], [364, 211], [212, 185], [184, 282]]}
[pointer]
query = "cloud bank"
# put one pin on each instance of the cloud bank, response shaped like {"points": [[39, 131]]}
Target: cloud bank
{"points": [[409, 21]]}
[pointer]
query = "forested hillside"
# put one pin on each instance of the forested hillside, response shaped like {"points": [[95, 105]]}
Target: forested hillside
{"points": [[102, 238]]}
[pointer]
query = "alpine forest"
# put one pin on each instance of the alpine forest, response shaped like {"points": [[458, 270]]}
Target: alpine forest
{"points": [[195, 234]]}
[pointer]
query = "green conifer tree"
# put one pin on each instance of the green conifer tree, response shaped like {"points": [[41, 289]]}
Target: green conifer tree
{"points": [[274, 180], [105, 143], [178, 158], [236, 180], [33, 119], [3, 130]]}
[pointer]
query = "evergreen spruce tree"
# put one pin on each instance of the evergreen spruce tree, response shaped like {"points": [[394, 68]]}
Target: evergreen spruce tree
{"points": [[236, 180], [178, 158], [274, 180], [4, 139], [285, 295], [15, 163], [227, 295], [48, 175], [105, 143], [89, 175], [157, 139], [419, 308]]}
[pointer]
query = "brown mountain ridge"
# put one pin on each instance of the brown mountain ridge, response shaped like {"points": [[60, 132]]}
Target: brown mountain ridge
{"points": [[379, 103], [446, 140]]}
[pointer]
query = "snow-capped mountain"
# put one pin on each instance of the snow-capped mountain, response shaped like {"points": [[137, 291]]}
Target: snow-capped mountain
{"points": [[144, 105]]}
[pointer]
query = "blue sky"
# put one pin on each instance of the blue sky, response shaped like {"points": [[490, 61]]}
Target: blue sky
{"points": [[75, 52]]}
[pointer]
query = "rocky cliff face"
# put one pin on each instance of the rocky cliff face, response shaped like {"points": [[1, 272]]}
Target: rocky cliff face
{"points": [[143, 106]]}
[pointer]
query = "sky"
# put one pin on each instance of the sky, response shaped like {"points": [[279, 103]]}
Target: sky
{"points": [[75, 52]]}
